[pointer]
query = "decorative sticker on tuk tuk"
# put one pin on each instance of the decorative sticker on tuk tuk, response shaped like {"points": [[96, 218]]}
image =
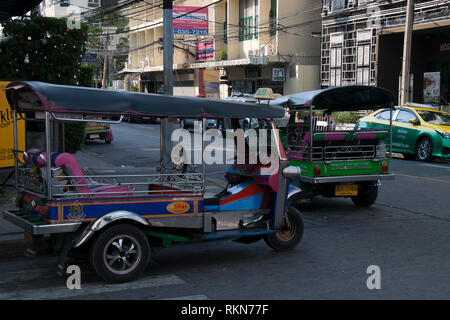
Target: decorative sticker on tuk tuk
{"points": [[178, 207], [76, 212]]}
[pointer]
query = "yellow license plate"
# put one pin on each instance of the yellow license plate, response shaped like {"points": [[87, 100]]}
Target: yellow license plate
{"points": [[345, 190], [94, 136]]}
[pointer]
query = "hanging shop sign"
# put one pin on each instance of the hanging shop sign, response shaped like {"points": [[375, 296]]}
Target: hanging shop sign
{"points": [[204, 50], [190, 20], [7, 130], [278, 74], [212, 86], [432, 87], [89, 58]]}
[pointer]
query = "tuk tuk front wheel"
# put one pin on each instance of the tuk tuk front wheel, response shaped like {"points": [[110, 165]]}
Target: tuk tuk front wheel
{"points": [[290, 235], [120, 253], [424, 149]]}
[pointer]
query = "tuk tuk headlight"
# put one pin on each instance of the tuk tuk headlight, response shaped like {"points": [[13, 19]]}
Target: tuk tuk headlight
{"points": [[443, 134]]}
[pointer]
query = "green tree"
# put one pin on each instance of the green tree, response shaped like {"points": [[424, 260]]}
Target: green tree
{"points": [[45, 49], [108, 18]]}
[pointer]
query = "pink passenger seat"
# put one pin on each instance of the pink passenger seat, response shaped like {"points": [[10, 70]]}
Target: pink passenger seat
{"points": [[71, 167]]}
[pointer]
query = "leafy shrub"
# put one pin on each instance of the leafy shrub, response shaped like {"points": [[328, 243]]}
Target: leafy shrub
{"points": [[74, 136]]}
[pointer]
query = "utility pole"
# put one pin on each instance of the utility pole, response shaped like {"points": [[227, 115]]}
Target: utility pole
{"points": [[167, 124], [168, 46], [105, 63], [407, 53]]}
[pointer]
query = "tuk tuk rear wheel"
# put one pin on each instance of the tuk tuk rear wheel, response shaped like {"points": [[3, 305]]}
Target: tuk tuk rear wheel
{"points": [[367, 197], [290, 235], [120, 253]]}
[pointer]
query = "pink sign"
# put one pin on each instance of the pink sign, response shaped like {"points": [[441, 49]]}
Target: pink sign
{"points": [[190, 20], [205, 50]]}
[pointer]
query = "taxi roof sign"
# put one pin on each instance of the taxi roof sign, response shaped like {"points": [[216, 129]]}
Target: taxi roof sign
{"points": [[264, 94]]}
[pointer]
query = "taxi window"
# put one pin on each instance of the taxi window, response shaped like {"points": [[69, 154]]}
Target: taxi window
{"points": [[384, 115], [405, 116]]}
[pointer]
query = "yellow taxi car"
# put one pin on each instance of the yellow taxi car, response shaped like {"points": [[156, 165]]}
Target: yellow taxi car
{"points": [[418, 132]]}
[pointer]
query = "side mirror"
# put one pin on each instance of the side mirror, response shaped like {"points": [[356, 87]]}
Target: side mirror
{"points": [[415, 122]]}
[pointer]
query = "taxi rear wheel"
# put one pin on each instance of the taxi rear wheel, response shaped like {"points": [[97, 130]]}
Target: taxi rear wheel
{"points": [[120, 253], [290, 235]]}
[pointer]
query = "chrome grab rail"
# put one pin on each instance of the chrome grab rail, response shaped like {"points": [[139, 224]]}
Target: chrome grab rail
{"points": [[180, 183], [349, 152], [54, 117]]}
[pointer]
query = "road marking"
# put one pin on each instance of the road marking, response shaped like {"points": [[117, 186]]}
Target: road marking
{"points": [[435, 165], [424, 178], [93, 288], [194, 297], [149, 149]]}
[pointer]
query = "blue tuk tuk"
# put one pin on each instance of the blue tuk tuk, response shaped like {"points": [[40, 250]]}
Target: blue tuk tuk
{"points": [[116, 219]]}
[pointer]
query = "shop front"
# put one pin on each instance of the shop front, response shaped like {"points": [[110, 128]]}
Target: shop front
{"points": [[430, 62], [249, 78]]}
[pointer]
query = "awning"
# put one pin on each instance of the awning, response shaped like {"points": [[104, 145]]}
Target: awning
{"points": [[416, 27], [256, 60]]}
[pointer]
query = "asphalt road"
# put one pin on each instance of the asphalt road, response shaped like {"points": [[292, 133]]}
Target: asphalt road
{"points": [[405, 233]]}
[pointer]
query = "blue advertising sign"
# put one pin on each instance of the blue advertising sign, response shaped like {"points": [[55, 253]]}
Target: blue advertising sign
{"points": [[89, 58]]}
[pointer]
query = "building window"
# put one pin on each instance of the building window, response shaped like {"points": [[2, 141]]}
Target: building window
{"points": [[363, 65], [256, 31], [273, 18], [248, 19], [225, 31], [64, 3], [93, 3], [335, 66]]}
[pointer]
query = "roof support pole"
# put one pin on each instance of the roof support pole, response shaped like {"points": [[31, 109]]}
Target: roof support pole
{"points": [[48, 157]]}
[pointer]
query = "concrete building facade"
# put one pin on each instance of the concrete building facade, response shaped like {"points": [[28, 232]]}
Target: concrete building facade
{"points": [[362, 43], [248, 44], [64, 8]]}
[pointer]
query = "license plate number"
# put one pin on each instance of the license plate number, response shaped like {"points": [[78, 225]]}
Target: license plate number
{"points": [[344, 190], [94, 136]]}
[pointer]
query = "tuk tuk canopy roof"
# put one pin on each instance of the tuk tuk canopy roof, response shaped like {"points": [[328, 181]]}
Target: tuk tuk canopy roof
{"points": [[346, 98], [39, 96]]}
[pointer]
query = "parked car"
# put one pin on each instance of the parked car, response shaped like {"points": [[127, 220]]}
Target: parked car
{"points": [[417, 132], [210, 124], [250, 123], [100, 131], [132, 118]]}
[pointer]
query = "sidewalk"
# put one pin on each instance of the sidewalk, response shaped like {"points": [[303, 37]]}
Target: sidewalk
{"points": [[12, 242]]}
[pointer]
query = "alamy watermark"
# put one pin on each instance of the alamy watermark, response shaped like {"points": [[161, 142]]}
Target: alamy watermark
{"points": [[251, 147], [74, 279], [374, 280], [73, 18]]}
